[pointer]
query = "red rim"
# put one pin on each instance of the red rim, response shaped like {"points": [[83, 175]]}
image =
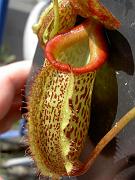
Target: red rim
{"points": [[97, 45]]}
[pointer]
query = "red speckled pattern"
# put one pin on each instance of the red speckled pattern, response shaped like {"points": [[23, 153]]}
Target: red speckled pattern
{"points": [[77, 128], [60, 97], [45, 120]]}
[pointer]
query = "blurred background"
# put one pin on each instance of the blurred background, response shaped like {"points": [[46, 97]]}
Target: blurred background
{"points": [[13, 19], [14, 24]]}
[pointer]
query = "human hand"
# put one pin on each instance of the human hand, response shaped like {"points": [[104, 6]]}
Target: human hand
{"points": [[12, 80]]}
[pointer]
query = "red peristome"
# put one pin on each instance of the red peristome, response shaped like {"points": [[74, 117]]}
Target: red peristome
{"points": [[98, 49]]}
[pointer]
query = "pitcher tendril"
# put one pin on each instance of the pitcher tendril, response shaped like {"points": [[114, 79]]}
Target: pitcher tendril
{"points": [[60, 96]]}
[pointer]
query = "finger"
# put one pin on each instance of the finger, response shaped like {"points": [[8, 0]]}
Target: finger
{"points": [[17, 99], [16, 73], [12, 116], [12, 79], [6, 96]]}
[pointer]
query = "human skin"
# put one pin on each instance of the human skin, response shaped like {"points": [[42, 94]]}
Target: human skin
{"points": [[12, 81]]}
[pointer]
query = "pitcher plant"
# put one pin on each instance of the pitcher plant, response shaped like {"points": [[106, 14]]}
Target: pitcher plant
{"points": [[72, 35]]}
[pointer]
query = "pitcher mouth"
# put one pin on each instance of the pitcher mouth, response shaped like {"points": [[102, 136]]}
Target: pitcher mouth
{"points": [[90, 32]]}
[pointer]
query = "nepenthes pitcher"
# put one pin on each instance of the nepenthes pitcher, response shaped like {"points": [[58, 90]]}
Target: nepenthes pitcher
{"points": [[60, 96]]}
